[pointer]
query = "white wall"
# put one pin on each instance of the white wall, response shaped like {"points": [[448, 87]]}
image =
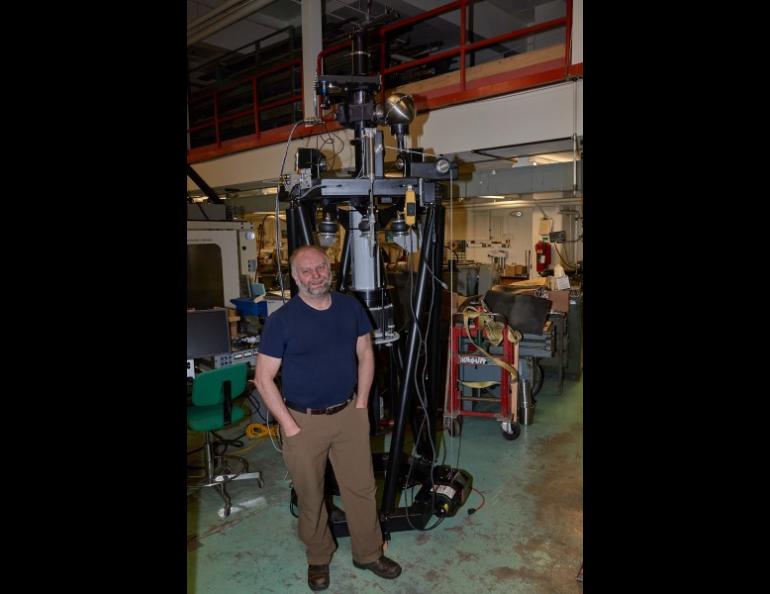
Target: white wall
{"points": [[517, 230], [530, 116], [265, 163], [522, 232]]}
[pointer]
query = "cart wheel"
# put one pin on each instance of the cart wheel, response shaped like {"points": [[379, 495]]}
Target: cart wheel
{"points": [[511, 430], [454, 426], [537, 381]]}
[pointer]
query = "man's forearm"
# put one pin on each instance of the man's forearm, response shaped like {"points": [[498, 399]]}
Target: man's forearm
{"points": [[365, 378], [271, 396]]}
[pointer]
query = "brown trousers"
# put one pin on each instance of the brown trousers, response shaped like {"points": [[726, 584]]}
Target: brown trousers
{"points": [[344, 438]]}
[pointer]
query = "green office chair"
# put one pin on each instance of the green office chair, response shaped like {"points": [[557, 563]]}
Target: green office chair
{"points": [[212, 409]]}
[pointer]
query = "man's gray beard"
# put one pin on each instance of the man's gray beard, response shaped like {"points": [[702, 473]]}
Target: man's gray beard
{"points": [[318, 292]]}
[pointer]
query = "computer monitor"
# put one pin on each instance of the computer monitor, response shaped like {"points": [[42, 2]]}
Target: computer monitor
{"points": [[208, 333]]}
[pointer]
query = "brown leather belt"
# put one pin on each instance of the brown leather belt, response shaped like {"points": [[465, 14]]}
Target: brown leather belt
{"points": [[318, 411]]}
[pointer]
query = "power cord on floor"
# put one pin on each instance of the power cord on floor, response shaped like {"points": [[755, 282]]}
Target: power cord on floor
{"points": [[260, 430], [473, 510], [257, 408], [219, 447]]}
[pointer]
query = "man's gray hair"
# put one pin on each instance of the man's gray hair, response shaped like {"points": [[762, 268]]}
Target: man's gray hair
{"points": [[305, 248]]}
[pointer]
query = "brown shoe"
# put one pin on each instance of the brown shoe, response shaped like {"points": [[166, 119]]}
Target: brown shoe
{"points": [[318, 577], [383, 567]]}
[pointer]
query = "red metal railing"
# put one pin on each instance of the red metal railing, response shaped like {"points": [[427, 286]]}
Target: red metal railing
{"points": [[548, 72], [254, 109], [461, 88]]}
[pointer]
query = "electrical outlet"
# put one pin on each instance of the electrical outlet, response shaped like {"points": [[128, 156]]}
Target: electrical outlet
{"points": [[557, 236]]}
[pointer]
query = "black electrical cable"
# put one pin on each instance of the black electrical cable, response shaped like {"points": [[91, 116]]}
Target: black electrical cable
{"points": [[258, 408], [331, 137], [219, 447], [406, 482], [421, 393], [424, 400], [473, 510], [419, 432], [440, 519], [459, 447]]}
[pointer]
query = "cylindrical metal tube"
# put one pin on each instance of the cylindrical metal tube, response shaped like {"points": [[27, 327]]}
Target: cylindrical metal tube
{"points": [[364, 263], [369, 138], [358, 133], [359, 54], [526, 406]]}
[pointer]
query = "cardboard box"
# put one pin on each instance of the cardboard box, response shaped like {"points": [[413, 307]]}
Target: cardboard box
{"points": [[540, 281], [514, 270], [559, 300]]}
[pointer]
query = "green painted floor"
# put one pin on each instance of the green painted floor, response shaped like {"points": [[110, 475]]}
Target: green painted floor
{"points": [[526, 538]]}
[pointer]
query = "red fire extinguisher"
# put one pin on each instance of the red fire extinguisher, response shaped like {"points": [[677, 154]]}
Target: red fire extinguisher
{"points": [[543, 255]]}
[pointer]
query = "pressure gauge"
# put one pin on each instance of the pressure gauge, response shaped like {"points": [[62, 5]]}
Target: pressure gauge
{"points": [[442, 166]]}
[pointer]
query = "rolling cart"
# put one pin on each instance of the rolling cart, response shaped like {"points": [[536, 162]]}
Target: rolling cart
{"points": [[483, 362]]}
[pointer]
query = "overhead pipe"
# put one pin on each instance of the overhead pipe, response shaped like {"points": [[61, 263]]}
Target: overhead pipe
{"points": [[241, 10], [224, 11], [208, 17]]}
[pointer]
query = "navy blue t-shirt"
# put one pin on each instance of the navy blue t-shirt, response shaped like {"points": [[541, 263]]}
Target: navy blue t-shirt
{"points": [[317, 348]]}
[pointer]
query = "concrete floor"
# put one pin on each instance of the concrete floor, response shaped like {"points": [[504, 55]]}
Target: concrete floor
{"points": [[527, 537]]}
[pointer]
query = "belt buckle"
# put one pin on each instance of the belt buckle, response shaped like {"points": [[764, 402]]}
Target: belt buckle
{"points": [[333, 409]]}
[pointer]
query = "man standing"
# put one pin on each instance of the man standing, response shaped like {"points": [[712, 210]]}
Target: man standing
{"points": [[322, 340]]}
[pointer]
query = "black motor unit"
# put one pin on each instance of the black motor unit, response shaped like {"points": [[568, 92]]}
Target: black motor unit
{"points": [[451, 488]]}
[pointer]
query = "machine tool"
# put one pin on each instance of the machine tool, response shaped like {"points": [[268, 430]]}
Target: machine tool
{"points": [[410, 207]]}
